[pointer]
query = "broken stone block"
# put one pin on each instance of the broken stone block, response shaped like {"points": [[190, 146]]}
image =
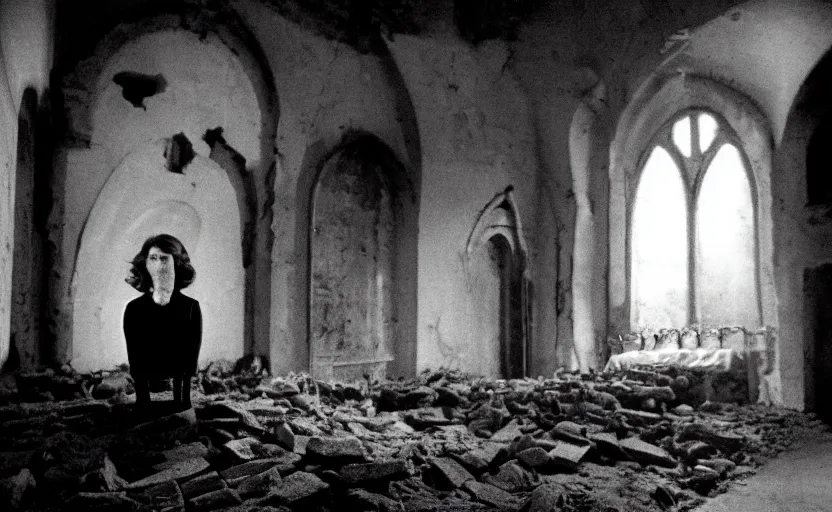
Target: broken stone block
{"points": [[658, 393], [260, 484], [568, 455], [721, 466], [683, 410], [725, 442], [111, 501], [547, 497], [193, 450], [608, 445], [300, 444], [508, 433], [335, 450], [166, 496], [535, 457], [510, 477], [362, 474], [647, 453], [202, 484], [240, 472], [13, 490], [421, 419], [116, 383], [285, 436], [299, 486], [491, 495], [360, 499], [215, 499], [179, 471], [241, 450], [449, 473]]}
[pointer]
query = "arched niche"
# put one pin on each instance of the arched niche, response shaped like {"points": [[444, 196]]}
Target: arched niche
{"points": [[143, 198], [211, 73], [27, 267], [497, 274], [358, 225]]}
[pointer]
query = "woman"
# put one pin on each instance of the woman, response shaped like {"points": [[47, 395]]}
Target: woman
{"points": [[163, 327]]}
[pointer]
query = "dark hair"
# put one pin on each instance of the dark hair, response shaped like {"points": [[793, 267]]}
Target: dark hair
{"points": [[185, 274]]}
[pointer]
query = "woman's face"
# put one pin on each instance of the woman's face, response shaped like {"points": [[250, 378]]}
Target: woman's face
{"points": [[161, 268]]}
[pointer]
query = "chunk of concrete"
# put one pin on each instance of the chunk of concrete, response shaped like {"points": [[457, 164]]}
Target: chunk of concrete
{"points": [[491, 495], [299, 486], [647, 453], [260, 484], [220, 498], [180, 471], [361, 474], [448, 472], [568, 455], [247, 469], [202, 484]]}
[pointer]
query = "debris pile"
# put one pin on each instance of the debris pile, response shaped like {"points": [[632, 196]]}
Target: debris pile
{"points": [[623, 441]]}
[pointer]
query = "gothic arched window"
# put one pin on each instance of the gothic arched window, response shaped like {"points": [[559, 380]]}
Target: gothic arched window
{"points": [[693, 248]]}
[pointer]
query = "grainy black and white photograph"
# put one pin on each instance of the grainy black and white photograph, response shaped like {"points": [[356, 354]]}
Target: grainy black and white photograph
{"points": [[416, 255]]}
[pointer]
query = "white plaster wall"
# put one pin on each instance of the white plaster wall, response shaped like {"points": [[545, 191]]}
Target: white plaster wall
{"points": [[26, 38], [764, 48], [476, 140], [207, 87], [141, 199], [8, 124]]}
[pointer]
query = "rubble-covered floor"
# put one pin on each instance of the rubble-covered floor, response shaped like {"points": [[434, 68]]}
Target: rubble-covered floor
{"points": [[446, 441]]}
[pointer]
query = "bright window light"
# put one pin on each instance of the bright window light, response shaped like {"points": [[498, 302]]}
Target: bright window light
{"points": [[707, 131], [681, 136], [725, 261], [660, 245]]}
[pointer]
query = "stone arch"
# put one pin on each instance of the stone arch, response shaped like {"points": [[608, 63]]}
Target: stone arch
{"points": [[235, 130], [496, 267], [659, 101], [141, 198], [358, 239], [27, 264]]}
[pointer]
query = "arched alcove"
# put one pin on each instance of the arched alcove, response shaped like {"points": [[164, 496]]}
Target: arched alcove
{"points": [[143, 198], [212, 87], [355, 260], [497, 274], [27, 266]]}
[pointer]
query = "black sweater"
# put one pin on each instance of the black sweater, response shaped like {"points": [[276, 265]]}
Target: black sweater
{"points": [[163, 341]]}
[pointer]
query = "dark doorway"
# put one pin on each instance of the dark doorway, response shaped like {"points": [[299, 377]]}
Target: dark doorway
{"points": [[512, 345], [817, 287]]}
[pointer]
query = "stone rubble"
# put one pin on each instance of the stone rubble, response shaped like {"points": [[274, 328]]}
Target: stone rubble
{"points": [[628, 441]]}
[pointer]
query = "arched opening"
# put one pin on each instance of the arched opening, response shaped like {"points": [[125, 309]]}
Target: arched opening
{"points": [[143, 198], [510, 306], [352, 263], [208, 89], [27, 262], [497, 275]]}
